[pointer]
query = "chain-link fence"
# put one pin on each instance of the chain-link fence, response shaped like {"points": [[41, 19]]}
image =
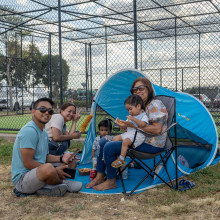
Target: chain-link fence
{"points": [[66, 49]]}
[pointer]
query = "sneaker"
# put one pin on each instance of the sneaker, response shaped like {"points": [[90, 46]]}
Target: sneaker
{"points": [[158, 169], [53, 190], [73, 186]]}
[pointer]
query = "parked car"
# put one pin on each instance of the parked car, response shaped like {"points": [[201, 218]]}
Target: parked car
{"points": [[16, 103], [24, 99], [204, 99], [216, 102], [3, 104]]}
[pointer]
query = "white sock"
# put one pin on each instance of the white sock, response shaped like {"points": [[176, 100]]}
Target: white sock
{"points": [[121, 157]]}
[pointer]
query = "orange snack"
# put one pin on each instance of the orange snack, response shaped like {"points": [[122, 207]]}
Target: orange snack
{"points": [[86, 122], [85, 169], [120, 122]]}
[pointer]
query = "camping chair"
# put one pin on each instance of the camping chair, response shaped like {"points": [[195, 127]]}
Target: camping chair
{"points": [[138, 157]]}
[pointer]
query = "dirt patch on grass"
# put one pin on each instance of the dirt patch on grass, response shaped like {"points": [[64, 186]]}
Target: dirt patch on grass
{"points": [[157, 203]]}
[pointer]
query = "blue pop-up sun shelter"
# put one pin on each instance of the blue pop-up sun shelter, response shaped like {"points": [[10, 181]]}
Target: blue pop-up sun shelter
{"points": [[196, 130]]}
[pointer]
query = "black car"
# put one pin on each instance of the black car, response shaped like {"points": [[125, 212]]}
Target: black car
{"points": [[216, 102]]}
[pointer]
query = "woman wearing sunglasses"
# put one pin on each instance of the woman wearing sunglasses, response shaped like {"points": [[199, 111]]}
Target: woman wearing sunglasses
{"points": [[157, 114], [59, 136]]}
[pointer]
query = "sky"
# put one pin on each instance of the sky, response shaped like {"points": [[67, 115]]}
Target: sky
{"points": [[156, 54]]}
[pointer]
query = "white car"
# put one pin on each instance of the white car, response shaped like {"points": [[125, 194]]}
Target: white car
{"points": [[26, 100]]}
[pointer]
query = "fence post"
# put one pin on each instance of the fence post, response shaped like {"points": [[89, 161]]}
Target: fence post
{"points": [[199, 61], [50, 66], [106, 53], [60, 54], [176, 50], [135, 33]]}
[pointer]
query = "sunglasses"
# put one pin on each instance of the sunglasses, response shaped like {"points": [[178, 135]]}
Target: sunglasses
{"points": [[135, 89], [44, 110]]}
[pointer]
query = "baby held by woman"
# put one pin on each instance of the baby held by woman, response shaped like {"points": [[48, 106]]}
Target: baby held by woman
{"points": [[137, 115]]}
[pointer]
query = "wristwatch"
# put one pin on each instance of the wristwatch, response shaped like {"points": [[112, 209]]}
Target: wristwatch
{"points": [[61, 158]]}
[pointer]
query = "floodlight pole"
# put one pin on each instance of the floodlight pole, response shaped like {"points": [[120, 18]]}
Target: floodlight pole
{"points": [[60, 54], [135, 33]]}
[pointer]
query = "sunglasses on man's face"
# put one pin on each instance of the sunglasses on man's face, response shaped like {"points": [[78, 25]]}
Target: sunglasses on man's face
{"points": [[44, 110], [140, 88]]}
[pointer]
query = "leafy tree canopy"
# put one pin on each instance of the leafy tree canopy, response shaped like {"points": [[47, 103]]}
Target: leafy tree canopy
{"points": [[55, 73]]}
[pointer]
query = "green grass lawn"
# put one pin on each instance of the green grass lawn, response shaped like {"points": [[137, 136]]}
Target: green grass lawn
{"points": [[201, 202], [18, 121], [207, 180]]}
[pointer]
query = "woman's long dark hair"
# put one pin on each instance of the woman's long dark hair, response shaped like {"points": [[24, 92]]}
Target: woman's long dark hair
{"points": [[149, 86]]}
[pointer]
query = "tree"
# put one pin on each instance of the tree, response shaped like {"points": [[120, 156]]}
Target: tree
{"points": [[32, 66], [29, 75], [55, 73]]}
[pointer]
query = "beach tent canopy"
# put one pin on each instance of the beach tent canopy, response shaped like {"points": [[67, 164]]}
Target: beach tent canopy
{"points": [[196, 130]]}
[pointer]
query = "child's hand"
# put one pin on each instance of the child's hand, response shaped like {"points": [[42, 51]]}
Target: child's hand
{"points": [[129, 124], [131, 118], [119, 122]]}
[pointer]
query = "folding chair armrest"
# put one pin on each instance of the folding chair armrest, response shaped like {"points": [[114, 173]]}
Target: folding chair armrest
{"points": [[172, 125], [154, 135]]}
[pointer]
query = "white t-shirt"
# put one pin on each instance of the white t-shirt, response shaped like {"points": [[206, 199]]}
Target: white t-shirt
{"points": [[56, 121], [130, 133]]}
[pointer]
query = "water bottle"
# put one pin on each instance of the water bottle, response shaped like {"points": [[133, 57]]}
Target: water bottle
{"points": [[124, 173], [94, 162]]}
